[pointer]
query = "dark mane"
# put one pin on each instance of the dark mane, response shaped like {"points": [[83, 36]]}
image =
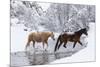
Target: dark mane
{"points": [[84, 29]]}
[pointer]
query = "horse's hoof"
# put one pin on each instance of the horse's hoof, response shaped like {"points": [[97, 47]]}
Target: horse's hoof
{"points": [[64, 46], [73, 47]]}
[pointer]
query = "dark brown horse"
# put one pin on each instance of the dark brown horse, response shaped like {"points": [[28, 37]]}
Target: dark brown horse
{"points": [[64, 38]]}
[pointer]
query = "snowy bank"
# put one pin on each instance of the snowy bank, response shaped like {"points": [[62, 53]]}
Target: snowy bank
{"points": [[86, 54]]}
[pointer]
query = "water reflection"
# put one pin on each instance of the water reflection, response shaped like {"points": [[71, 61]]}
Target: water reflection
{"points": [[38, 57], [46, 57]]}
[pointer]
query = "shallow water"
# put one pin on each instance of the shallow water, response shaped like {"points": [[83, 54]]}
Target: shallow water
{"points": [[37, 58]]}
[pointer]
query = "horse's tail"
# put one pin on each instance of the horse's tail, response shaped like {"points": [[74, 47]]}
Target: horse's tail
{"points": [[29, 39], [57, 43]]}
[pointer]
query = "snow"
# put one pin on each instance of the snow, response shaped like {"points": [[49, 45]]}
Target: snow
{"points": [[19, 39], [44, 20], [14, 21], [44, 5], [86, 54]]}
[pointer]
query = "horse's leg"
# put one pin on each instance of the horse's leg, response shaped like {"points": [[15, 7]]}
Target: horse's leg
{"points": [[47, 44], [65, 44], [80, 43], [59, 45], [74, 44], [28, 43], [43, 45], [33, 44]]}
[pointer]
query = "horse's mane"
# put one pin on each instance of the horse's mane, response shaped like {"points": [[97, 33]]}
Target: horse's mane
{"points": [[81, 30]]}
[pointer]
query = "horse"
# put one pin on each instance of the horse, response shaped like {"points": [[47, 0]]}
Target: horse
{"points": [[64, 38], [39, 37]]}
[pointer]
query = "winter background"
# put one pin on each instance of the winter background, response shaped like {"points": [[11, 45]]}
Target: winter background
{"points": [[29, 16]]}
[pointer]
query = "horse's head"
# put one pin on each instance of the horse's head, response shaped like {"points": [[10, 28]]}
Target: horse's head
{"points": [[52, 35], [84, 31]]}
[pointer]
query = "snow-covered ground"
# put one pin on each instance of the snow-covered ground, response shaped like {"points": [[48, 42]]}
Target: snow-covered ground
{"points": [[64, 55], [86, 54], [19, 39]]}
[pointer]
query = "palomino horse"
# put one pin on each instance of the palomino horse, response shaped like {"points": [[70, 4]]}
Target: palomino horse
{"points": [[39, 37], [64, 38]]}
